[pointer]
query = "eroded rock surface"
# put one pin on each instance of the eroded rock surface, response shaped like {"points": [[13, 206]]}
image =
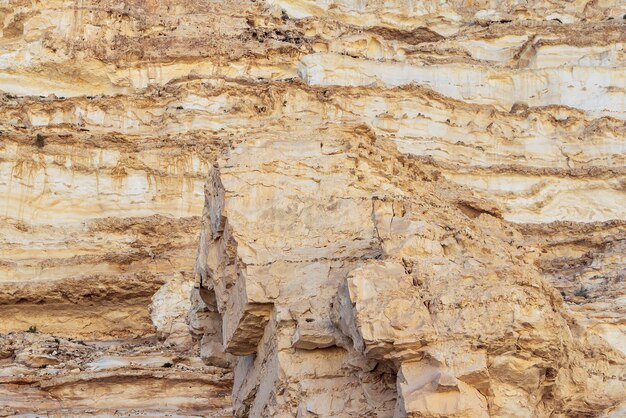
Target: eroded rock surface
{"points": [[412, 208], [351, 283], [55, 376]]}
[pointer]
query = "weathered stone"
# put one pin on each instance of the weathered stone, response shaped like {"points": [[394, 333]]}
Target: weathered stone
{"points": [[420, 293], [397, 189], [169, 309], [384, 310], [427, 390], [212, 352]]}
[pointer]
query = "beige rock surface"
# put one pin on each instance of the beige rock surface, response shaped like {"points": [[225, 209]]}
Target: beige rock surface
{"points": [[56, 376], [412, 208], [337, 262]]}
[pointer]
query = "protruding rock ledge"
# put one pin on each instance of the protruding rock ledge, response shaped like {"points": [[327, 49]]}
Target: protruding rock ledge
{"points": [[407, 293]]}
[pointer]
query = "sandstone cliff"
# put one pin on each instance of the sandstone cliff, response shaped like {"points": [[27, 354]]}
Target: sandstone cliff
{"points": [[312, 208]]}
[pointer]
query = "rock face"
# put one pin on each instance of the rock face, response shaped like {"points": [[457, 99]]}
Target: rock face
{"points": [[350, 282], [394, 208]]}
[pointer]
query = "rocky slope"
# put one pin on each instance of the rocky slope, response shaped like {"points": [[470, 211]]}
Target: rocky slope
{"points": [[411, 208]]}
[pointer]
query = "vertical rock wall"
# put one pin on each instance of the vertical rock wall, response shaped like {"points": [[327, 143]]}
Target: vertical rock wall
{"points": [[352, 282], [412, 207]]}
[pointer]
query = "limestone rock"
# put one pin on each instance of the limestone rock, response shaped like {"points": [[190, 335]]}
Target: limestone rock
{"points": [[417, 277], [168, 311], [371, 207]]}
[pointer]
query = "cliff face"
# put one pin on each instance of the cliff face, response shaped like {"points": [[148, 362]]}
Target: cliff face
{"points": [[332, 208]]}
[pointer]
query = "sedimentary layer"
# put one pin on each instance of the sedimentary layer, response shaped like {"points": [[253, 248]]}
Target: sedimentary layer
{"points": [[114, 114]]}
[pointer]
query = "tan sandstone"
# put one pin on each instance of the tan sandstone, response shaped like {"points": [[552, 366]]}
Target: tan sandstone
{"points": [[312, 208]]}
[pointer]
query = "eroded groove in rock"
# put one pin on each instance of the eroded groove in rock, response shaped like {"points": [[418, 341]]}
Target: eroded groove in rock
{"points": [[421, 208]]}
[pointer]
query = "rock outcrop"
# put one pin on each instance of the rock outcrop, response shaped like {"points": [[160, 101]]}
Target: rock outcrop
{"points": [[410, 208], [350, 282]]}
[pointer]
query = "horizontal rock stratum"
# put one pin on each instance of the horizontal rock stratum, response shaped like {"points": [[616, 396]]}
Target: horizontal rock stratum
{"points": [[331, 208]]}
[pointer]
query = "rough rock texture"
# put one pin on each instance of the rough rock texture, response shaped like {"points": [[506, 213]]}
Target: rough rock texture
{"points": [[412, 208], [55, 376], [350, 282]]}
